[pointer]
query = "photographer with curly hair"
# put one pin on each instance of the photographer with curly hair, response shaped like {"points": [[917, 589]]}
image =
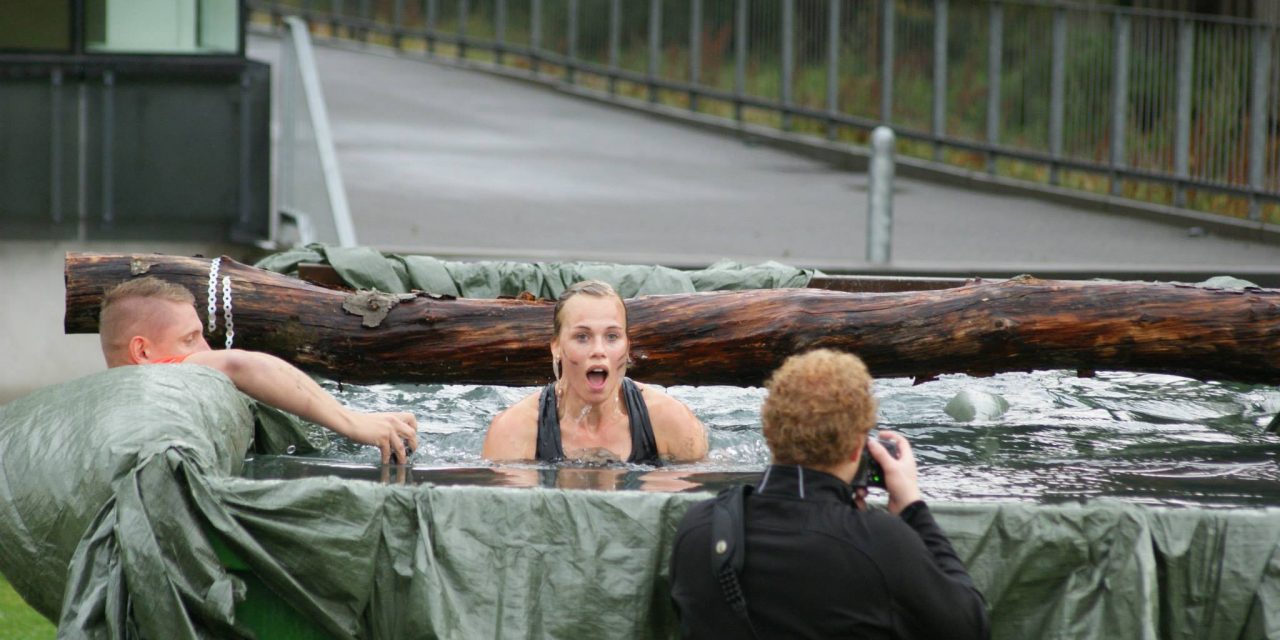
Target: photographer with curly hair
{"points": [[799, 556]]}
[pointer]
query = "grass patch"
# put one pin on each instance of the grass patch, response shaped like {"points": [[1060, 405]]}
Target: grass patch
{"points": [[18, 621]]}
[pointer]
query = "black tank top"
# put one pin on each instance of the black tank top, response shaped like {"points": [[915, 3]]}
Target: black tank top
{"points": [[644, 447]]}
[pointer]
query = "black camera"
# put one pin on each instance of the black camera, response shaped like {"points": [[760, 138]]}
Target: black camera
{"points": [[869, 473]]}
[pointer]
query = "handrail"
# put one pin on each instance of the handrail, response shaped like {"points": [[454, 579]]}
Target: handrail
{"points": [[298, 64]]}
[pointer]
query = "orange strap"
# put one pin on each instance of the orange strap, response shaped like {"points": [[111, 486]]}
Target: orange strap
{"points": [[171, 360]]}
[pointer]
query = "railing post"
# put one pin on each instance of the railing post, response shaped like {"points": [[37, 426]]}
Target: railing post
{"points": [[788, 59], [55, 145], [335, 15], [1119, 100], [886, 60], [433, 20], [246, 150], [615, 43], [287, 100], [570, 64], [397, 18], [1182, 129], [940, 24], [1057, 91], [366, 18], [695, 50], [108, 146], [995, 53], [464, 15], [499, 30], [535, 34], [655, 47], [880, 196], [833, 66], [739, 57], [1258, 115]]}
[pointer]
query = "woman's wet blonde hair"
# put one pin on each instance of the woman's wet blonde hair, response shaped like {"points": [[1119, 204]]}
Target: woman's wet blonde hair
{"points": [[819, 408]]}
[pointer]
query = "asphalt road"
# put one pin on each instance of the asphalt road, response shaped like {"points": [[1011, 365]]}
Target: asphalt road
{"points": [[458, 162]]}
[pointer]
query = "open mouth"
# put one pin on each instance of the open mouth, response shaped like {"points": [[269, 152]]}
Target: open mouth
{"points": [[596, 377]]}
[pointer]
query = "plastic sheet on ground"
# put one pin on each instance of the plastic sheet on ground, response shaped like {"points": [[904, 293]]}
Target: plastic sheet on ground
{"points": [[115, 487], [365, 268]]}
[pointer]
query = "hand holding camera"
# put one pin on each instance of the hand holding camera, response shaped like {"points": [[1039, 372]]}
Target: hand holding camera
{"points": [[887, 462]]}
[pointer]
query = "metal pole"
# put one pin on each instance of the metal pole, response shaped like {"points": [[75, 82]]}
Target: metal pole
{"points": [[365, 20], [1258, 115], [833, 66], [433, 19], [739, 57], [1057, 90], [886, 61], [995, 51], [336, 10], [573, 41], [246, 149], [788, 59], [535, 34], [940, 20], [397, 11], [695, 50], [464, 15], [500, 30], [55, 145], [880, 196], [108, 146], [615, 44], [1182, 131], [1119, 99], [655, 46], [288, 126]]}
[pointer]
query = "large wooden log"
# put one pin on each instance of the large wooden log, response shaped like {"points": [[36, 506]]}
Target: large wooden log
{"points": [[735, 338]]}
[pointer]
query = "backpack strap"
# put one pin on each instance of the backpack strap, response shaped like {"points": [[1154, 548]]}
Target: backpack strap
{"points": [[728, 548]]}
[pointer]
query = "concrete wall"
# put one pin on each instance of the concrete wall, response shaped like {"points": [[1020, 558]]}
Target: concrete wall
{"points": [[34, 350]]}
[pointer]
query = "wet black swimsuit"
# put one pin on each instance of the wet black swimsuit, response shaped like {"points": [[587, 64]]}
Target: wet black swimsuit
{"points": [[644, 447]]}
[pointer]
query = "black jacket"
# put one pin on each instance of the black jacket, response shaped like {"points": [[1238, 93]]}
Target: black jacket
{"points": [[818, 568]]}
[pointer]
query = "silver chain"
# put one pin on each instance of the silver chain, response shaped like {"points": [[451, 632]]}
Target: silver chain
{"points": [[226, 309], [213, 294]]}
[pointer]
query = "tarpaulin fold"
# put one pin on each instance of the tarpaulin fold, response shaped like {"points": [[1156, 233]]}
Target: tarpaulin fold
{"points": [[117, 488], [366, 268]]}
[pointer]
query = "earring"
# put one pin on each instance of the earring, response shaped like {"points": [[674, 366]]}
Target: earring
{"points": [[555, 368]]}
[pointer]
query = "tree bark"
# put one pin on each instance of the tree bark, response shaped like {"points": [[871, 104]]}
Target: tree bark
{"points": [[734, 338]]}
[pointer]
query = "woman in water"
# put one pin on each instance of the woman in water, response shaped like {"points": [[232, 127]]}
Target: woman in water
{"points": [[593, 412]]}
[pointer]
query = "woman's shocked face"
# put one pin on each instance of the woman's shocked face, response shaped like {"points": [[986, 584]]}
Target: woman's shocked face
{"points": [[592, 347]]}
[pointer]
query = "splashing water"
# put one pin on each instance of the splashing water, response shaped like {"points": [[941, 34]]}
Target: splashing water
{"points": [[1146, 438]]}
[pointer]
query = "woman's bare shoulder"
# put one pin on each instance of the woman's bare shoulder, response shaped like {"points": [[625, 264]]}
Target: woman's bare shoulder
{"points": [[513, 433], [680, 435]]}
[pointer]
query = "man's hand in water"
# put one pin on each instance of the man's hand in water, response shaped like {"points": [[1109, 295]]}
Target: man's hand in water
{"points": [[392, 433]]}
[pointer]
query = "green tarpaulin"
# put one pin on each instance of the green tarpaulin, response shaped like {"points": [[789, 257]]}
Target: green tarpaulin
{"points": [[115, 487], [365, 268]]}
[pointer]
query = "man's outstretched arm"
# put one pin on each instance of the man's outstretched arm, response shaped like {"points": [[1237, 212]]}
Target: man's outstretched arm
{"points": [[273, 381]]}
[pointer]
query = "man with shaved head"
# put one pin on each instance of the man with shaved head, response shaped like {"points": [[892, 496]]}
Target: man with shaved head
{"points": [[151, 321]]}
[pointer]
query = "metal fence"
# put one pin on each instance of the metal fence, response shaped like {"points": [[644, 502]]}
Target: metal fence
{"points": [[1160, 106]]}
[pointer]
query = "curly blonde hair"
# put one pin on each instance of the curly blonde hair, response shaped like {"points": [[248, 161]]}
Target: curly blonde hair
{"points": [[819, 408]]}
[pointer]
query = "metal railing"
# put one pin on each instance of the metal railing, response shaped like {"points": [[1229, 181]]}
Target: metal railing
{"points": [[1167, 107], [309, 187]]}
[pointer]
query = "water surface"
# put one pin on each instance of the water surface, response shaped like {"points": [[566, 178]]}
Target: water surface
{"points": [[1145, 438]]}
